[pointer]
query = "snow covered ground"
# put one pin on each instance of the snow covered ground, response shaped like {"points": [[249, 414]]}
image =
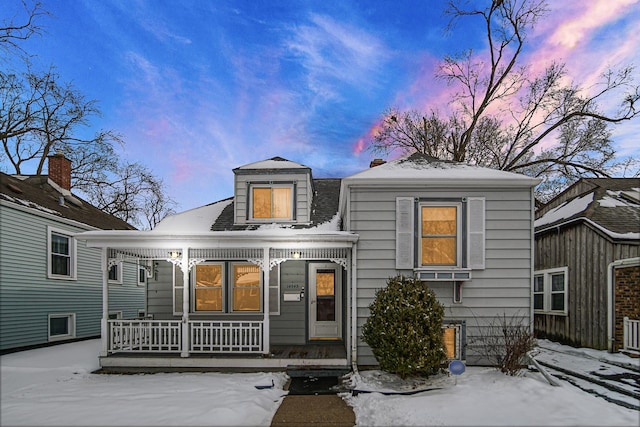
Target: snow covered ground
{"points": [[54, 386]]}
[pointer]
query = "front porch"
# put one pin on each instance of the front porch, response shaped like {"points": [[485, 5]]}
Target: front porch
{"points": [[142, 345]]}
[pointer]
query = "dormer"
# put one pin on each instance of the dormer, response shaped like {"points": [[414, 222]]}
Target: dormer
{"points": [[276, 190]]}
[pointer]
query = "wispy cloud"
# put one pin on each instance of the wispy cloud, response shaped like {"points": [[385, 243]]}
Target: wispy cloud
{"points": [[335, 53]]}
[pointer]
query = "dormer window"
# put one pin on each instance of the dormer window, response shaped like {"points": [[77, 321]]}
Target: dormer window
{"points": [[272, 201]]}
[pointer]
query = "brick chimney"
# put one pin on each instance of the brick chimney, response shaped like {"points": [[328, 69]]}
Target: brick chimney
{"points": [[60, 170], [376, 162]]}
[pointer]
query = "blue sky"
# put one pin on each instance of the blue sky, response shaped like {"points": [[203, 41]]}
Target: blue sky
{"points": [[198, 88]]}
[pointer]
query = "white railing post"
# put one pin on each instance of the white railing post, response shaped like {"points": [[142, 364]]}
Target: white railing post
{"points": [[265, 293], [631, 334]]}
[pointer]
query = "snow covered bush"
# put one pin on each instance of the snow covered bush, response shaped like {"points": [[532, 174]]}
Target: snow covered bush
{"points": [[404, 329]]}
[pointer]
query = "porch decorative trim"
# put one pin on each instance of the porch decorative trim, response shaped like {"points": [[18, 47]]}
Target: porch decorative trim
{"points": [[273, 262], [337, 254], [226, 254], [340, 261]]}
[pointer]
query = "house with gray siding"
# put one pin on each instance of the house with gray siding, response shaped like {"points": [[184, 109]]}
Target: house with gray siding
{"points": [[50, 282], [282, 273], [587, 262]]}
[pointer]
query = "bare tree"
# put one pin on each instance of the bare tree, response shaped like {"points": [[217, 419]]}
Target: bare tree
{"points": [[20, 27], [132, 194], [507, 118]]}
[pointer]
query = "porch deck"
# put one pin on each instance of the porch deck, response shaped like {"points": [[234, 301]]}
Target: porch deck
{"points": [[281, 356]]}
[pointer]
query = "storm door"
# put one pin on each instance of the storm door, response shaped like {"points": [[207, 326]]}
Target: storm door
{"points": [[325, 301]]}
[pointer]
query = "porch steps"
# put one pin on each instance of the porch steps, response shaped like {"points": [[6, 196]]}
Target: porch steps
{"points": [[317, 371]]}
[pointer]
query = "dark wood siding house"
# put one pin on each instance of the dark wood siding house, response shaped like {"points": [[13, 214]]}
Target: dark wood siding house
{"points": [[587, 265]]}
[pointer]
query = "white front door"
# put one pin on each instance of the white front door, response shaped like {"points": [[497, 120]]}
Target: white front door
{"points": [[325, 301]]}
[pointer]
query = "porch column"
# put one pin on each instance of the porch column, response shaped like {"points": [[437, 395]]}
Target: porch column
{"points": [[184, 265], [265, 297], [104, 322]]}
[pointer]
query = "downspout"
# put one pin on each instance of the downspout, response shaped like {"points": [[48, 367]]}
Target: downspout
{"points": [[184, 266], [610, 296], [104, 322], [532, 261]]}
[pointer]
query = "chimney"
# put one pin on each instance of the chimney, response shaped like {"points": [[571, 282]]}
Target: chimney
{"points": [[60, 170], [376, 162]]}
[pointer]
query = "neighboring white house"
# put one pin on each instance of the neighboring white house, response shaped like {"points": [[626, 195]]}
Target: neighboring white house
{"points": [[283, 272], [50, 283]]}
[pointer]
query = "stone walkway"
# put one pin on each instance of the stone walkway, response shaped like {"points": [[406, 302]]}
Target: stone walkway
{"points": [[319, 410]]}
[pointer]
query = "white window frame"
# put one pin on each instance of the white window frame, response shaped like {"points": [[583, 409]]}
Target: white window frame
{"points": [[142, 270], [72, 254], [193, 289], [548, 291], [231, 288], [271, 186], [119, 271], [71, 326], [459, 331], [116, 313], [459, 241]]}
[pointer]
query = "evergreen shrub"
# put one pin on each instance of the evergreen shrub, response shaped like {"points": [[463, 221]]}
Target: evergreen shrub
{"points": [[404, 329]]}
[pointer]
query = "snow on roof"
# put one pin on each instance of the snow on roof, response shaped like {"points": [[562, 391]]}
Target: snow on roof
{"points": [[274, 163], [28, 204], [331, 225], [193, 221], [418, 166], [614, 199], [565, 210]]}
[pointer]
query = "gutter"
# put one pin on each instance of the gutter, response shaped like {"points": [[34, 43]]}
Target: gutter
{"points": [[608, 233], [627, 262]]}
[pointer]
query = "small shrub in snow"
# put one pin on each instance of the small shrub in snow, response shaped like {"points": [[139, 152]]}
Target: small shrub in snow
{"points": [[404, 329], [506, 341]]}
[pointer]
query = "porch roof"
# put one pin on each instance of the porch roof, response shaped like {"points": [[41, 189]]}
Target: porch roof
{"points": [[274, 238]]}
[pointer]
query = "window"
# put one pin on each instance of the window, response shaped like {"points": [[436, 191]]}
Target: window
{"points": [[115, 315], [453, 336], [61, 248], [440, 235], [246, 287], [115, 273], [550, 291], [436, 236], [272, 202], [62, 326], [208, 287], [225, 287], [142, 274]]}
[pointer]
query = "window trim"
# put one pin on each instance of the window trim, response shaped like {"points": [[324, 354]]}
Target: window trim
{"points": [[459, 327], [548, 292], [116, 313], [271, 185], [119, 271], [71, 326], [192, 285], [231, 288], [142, 269], [460, 233], [73, 246]]}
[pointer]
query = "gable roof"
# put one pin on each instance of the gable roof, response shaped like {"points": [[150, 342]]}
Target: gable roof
{"points": [[42, 194], [611, 204], [273, 163], [419, 166]]}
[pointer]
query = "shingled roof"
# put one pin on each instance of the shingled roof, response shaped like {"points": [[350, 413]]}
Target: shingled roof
{"points": [[323, 209], [42, 194], [612, 204]]}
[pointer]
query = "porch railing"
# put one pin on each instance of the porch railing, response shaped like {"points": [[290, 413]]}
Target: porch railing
{"points": [[165, 336], [226, 337], [631, 334], [145, 335]]}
